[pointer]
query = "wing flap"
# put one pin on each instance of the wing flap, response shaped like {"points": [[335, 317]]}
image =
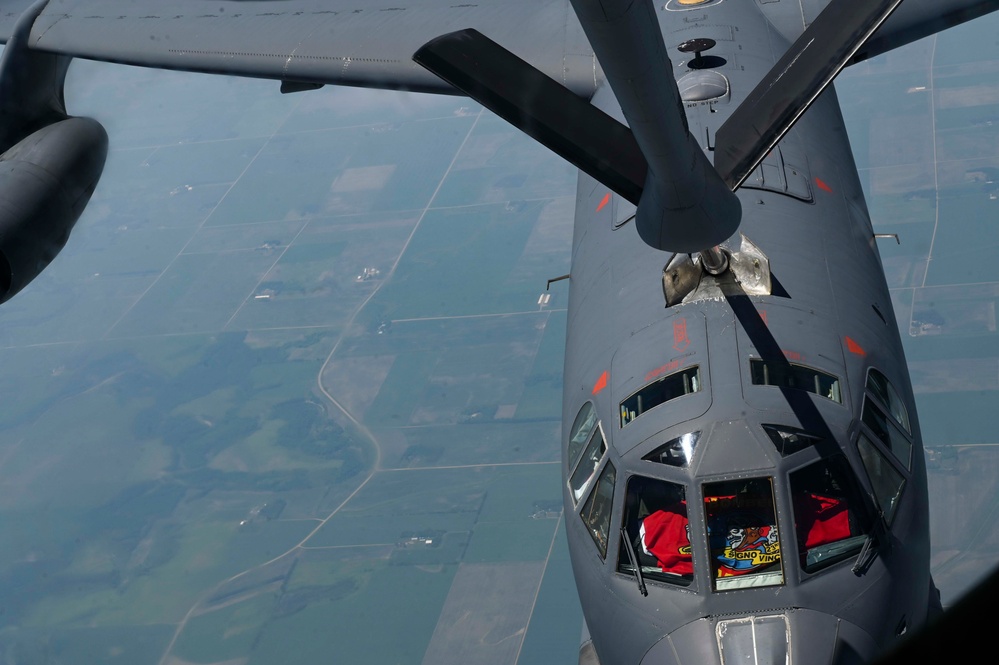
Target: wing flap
{"points": [[367, 43]]}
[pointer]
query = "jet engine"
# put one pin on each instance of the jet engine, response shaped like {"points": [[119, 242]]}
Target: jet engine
{"points": [[50, 163], [46, 180]]}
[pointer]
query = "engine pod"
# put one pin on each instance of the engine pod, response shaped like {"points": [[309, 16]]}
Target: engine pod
{"points": [[46, 181]]}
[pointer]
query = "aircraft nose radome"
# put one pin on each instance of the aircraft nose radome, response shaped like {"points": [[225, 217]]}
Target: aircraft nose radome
{"points": [[792, 637]]}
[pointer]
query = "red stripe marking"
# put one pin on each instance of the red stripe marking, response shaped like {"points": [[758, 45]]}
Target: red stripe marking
{"points": [[604, 201], [659, 371], [854, 347], [600, 384], [823, 186]]}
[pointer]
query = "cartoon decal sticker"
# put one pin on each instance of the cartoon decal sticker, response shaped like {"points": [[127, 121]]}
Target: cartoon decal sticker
{"points": [[747, 546]]}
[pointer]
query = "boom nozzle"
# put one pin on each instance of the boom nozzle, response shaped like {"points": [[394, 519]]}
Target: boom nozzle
{"points": [[685, 205]]}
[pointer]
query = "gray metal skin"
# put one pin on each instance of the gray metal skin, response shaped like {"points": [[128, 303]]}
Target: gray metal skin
{"points": [[823, 253]]}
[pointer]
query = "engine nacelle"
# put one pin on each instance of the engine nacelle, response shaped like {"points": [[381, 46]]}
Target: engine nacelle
{"points": [[46, 180]]}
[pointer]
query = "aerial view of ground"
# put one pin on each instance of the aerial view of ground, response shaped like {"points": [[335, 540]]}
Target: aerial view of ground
{"points": [[291, 394]]}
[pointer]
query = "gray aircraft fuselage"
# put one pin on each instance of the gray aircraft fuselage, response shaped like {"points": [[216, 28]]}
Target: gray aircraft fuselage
{"points": [[830, 311]]}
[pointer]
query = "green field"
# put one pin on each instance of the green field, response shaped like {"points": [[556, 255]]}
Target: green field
{"points": [[168, 439]]}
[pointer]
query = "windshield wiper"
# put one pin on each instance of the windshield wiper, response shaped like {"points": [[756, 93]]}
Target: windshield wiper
{"points": [[634, 562], [877, 539]]}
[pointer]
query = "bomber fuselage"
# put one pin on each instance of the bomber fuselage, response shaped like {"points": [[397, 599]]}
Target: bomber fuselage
{"points": [[815, 524]]}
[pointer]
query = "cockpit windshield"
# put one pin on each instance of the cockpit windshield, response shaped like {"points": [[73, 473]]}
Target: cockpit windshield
{"points": [[829, 519], [742, 533], [655, 521], [832, 521]]}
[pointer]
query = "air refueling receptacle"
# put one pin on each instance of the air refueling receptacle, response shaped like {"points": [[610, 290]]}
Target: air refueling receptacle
{"points": [[723, 270]]}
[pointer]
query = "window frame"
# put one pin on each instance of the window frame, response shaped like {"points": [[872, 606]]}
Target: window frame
{"points": [[894, 433], [631, 515], [858, 508], [577, 425], [697, 381], [892, 466], [687, 442], [894, 399], [578, 493], [836, 387], [765, 578], [585, 508]]}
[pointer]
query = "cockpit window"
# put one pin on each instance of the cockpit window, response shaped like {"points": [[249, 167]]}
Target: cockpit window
{"points": [[798, 377], [789, 440], [885, 479], [675, 452], [742, 534], [658, 392], [829, 518], [581, 429], [878, 385], [655, 521], [885, 429], [596, 511], [587, 464]]}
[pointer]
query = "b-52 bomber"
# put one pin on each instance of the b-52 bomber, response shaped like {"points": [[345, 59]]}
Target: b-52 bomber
{"points": [[744, 477]]}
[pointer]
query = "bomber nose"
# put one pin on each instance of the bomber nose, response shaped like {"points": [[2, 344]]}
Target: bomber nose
{"points": [[792, 637]]}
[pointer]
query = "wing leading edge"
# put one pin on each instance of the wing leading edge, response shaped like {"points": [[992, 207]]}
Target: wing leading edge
{"points": [[365, 43]]}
